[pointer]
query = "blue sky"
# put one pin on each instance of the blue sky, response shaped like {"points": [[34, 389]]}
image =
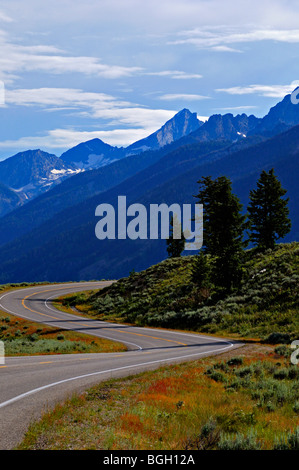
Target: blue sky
{"points": [[117, 70]]}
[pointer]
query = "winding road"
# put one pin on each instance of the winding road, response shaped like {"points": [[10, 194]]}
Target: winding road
{"points": [[30, 385]]}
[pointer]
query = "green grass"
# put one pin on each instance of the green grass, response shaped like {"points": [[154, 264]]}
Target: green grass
{"points": [[248, 401], [165, 296]]}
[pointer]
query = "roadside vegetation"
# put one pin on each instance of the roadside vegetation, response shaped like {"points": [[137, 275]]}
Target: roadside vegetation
{"points": [[22, 337], [242, 400], [264, 307], [20, 285]]}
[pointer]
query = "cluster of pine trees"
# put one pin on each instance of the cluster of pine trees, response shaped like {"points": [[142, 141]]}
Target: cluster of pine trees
{"points": [[227, 231]]}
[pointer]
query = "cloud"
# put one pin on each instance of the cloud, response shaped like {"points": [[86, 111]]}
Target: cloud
{"points": [[16, 59], [5, 18], [270, 91], [225, 49], [90, 104], [182, 96], [66, 138], [59, 97], [220, 39], [175, 74], [236, 108], [156, 16]]}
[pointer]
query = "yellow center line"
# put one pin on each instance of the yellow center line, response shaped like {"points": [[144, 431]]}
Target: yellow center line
{"points": [[40, 292], [120, 331], [154, 337]]}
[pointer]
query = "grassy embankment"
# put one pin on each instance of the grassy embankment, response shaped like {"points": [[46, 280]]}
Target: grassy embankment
{"points": [[165, 296], [245, 399]]}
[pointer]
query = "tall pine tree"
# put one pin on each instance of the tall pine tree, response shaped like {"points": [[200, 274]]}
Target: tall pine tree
{"points": [[223, 230], [268, 211]]}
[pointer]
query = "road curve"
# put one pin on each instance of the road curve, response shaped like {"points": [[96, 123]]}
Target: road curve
{"points": [[30, 385]]}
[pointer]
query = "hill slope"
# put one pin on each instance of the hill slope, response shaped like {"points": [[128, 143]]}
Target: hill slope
{"points": [[281, 117], [9, 199], [91, 154], [164, 295], [182, 124], [31, 173]]}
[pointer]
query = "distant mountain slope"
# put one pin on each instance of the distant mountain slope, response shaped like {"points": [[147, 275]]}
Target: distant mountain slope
{"points": [[32, 172], [9, 199], [92, 154], [280, 118], [70, 192], [67, 244], [182, 124], [30, 168]]}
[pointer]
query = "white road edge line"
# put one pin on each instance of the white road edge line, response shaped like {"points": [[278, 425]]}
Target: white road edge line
{"points": [[83, 319], [28, 318], [31, 392], [39, 389]]}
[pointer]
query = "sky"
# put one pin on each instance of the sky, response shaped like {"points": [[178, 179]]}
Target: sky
{"points": [[117, 70]]}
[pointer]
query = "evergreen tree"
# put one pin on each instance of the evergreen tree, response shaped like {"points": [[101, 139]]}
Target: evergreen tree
{"points": [[175, 245], [223, 229], [268, 211], [201, 270]]}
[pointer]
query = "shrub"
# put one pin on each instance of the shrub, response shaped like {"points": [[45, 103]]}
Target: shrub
{"points": [[216, 375], [207, 439], [232, 422], [245, 371], [33, 337], [281, 374], [290, 441], [283, 350], [235, 361], [239, 442], [278, 338], [296, 407]]}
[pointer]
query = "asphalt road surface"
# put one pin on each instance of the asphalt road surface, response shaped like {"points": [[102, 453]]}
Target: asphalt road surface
{"points": [[30, 385]]}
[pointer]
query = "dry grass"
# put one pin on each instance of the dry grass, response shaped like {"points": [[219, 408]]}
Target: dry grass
{"points": [[22, 337], [166, 409]]}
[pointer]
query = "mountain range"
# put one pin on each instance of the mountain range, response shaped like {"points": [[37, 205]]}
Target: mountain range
{"points": [[52, 238], [33, 172], [95, 153]]}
